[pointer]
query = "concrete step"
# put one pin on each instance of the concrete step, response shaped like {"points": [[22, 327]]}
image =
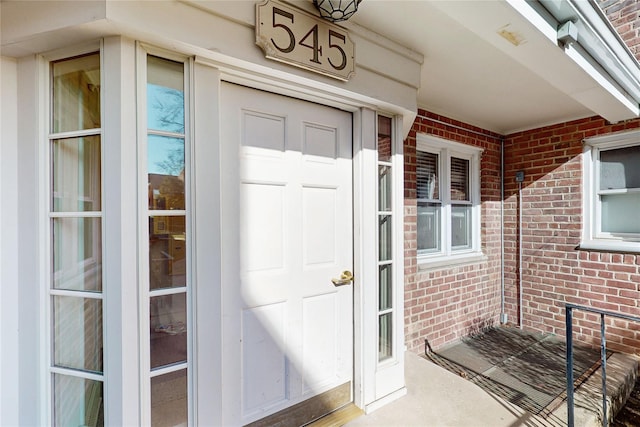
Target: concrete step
{"points": [[622, 372]]}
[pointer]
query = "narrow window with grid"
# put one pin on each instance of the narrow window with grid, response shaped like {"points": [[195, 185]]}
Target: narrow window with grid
{"points": [[167, 239], [75, 221], [385, 240]]}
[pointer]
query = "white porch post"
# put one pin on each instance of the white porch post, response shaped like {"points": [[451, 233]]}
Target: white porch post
{"points": [[121, 331], [205, 208], [9, 288]]}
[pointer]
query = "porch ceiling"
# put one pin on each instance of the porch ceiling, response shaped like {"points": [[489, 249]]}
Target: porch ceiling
{"points": [[473, 74]]}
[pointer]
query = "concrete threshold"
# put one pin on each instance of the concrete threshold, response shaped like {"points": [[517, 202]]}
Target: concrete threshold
{"points": [[437, 397]]}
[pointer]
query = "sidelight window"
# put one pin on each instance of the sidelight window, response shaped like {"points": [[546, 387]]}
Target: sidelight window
{"points": [[75, 230], [167, 288], [385, 239]]}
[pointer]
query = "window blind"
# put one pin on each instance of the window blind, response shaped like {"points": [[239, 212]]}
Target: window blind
{"points": [[459, 179], [427, 176]]}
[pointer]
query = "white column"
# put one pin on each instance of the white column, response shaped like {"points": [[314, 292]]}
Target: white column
{"points": [[205, 211], [9, 286], [366, 256], [30, 250], [120, 201]]}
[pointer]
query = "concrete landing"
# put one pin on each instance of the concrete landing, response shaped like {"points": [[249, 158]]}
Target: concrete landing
{"points": [[437, 398], [447, 397]]}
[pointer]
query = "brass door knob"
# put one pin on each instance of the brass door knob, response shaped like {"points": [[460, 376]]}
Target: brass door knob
{"points": [[345, 278]]}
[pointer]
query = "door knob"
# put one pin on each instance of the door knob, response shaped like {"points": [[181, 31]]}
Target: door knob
{"points": [[345, 278]]}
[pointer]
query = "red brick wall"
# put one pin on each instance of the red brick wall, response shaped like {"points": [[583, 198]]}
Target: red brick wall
{"points": [[553, 270], [444, 304], [625, 17]]}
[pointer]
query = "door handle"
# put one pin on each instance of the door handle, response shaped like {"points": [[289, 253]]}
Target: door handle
{"points": [[345, 278]]}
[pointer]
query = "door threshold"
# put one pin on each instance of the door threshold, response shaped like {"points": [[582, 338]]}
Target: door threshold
{"points": [[339, 417]]}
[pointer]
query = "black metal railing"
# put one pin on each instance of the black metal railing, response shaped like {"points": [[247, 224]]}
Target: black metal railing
{"points": [[603, 355]]}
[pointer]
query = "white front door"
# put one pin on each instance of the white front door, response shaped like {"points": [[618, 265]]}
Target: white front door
{"points": [[287, 223]]}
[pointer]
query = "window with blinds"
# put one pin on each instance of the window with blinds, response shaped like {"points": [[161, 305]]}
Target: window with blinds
{"points": [[446, 198]]}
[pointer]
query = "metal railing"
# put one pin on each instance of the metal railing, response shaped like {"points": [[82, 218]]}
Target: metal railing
{"points": [[603, 355]]}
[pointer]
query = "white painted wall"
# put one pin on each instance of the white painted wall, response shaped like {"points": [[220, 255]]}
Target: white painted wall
{"points": [[9, 302]]}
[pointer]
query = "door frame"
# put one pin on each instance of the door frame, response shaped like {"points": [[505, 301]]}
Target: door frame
{"points": [[208, 74]]}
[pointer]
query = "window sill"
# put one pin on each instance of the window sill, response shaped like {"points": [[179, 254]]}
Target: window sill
{"points": [[435, 263], [609, 246]]}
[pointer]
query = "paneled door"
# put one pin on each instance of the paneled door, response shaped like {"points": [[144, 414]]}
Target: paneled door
{"points": [[287, 231]]}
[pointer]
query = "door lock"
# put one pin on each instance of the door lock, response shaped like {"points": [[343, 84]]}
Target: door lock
{"points": [[345, 278]]}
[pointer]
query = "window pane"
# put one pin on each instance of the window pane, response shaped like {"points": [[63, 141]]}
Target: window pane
{"points": [[384, 188], [619, 169], [385, 336], [459, 179], [385, 287], [166, 173], [385, 149], [165, 95], [169, 400], [384, 236], [76, 94], [167, 252], [77, 254], [460, 227], [78, 401], [427, 176], [76, 174], [168, 320], [77, 333], [619, 213], [429, 227]]}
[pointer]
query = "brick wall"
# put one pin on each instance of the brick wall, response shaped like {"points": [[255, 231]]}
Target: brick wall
{"points": [[625, 17], [553, 270], [444, 304]]}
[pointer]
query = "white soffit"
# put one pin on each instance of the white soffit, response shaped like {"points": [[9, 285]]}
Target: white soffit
{"points": [[533, 43]]}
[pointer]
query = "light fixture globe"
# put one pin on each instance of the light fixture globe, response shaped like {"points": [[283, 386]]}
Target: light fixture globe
{"points": [[337, 10]]}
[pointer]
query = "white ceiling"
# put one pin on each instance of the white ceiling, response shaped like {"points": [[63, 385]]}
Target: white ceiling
{"points": [[472, 74]]}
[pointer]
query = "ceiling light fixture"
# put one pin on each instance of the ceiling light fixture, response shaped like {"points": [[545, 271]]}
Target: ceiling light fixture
{"points": [[337, 10]]}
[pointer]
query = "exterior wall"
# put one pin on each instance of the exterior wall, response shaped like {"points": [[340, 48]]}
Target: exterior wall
{"points": [[446, 303], [554, 271], [625, 17]]}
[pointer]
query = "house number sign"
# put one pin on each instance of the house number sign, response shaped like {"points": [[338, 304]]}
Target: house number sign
{"points": [[292, 36]]}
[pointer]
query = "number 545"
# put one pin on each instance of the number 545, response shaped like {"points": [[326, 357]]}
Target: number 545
{"points": [[284, 21]]}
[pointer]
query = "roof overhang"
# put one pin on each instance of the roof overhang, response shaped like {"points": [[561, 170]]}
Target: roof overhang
{"points": [[596, 69]]}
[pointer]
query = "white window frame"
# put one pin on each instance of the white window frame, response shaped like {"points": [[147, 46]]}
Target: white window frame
{"points": [[143, 51], [49, 369], [447, 149], [593, 238]]}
